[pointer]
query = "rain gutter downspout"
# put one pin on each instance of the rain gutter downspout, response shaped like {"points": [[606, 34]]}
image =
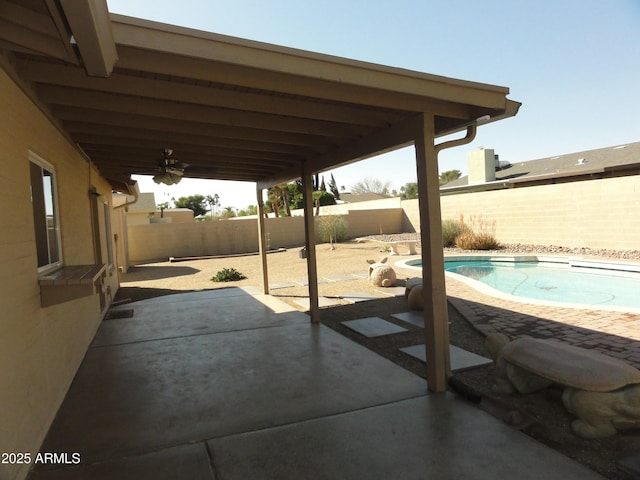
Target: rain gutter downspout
{"points": [[437, 347], [135, 193], [468, 138]]}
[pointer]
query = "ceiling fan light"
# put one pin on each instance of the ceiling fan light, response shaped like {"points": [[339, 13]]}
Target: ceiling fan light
{"points": [[167, 178]]}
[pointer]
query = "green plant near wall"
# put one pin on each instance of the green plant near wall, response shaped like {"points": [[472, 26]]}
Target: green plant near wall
{"points": [[450, 230], [477, 233], [332, 228], [228, 275]]}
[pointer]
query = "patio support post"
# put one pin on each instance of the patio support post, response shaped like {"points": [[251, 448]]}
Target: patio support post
{"points": [[310, 245], [262, 242], [433, 280]]}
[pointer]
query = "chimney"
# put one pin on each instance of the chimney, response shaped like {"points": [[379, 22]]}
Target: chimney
{"points": [[482, 165]]}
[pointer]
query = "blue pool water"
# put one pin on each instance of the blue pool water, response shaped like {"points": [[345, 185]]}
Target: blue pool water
{"points": [[555, 282]]}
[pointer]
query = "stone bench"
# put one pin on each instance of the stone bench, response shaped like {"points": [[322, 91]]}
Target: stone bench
{"points": [[602, 391], [409, 245]]}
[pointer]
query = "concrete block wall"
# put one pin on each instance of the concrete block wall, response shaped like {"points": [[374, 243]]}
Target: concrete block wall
{"points": [[160, 241], [600, 213], [374, 222], [594, 213], [410, 215]]}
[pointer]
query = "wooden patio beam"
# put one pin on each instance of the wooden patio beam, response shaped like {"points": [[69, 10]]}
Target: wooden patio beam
{"points": [[433, 281], [211, 95], [262, 242], [310, 245], [382, 140]]}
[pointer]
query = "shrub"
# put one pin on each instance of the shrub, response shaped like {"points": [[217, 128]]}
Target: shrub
{"points": [[477, 234], [228, 275], [450, 230], [332, 228]]}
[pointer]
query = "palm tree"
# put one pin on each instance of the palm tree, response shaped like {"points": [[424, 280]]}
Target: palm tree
{"points": [[286, 199], [228, 212], [213, 201], [162, 207]]}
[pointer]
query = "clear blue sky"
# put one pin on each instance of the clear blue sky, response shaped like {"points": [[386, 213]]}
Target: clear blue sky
{"points": [[574, 64]]}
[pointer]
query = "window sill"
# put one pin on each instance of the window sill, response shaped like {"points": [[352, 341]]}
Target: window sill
{"points": [[70, 282]]}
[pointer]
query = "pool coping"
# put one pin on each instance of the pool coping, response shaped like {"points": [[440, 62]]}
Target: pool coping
{"points": [[567, 260]]}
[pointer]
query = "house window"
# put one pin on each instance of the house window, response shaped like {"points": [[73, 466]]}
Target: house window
{"points": [[45, 213]]}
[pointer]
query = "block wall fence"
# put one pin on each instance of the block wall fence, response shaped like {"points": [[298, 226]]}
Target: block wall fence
{"points": [[160, 241], [602, 213]]}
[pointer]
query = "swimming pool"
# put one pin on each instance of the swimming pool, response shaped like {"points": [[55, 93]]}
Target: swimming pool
{"points": [[551, 279]]}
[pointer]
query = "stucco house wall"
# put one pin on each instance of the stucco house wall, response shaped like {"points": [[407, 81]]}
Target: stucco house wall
{"points": [[41, 348]]}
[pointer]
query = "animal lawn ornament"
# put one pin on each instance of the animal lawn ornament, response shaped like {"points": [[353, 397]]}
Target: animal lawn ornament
{"points": [[381, 274]]}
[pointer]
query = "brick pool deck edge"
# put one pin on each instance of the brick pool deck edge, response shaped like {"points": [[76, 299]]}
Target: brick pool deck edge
{"points": [[610, 332]]}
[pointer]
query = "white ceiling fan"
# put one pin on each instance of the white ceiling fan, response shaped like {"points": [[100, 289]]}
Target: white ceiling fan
{"points": [[170, 171]]}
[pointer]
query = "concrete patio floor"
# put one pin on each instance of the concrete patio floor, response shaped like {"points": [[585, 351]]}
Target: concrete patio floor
{"points": [[231, 384]]}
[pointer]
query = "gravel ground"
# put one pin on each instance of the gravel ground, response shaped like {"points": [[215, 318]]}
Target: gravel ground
{"points": [[521, 248], [539, 415]]}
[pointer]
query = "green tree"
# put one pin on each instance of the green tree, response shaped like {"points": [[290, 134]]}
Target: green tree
{"points": [[449, 176], [333, 187], [250, 210], [371, 185], [197, 203], [227, 212], [295, 193], [321, 199], [162, 207], [274, 201], [213, 201], [409, 190], [296, 199]]}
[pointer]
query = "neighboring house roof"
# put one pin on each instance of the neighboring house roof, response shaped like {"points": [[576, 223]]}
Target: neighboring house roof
{"points": [[361, 197], [233, 109], [578, 164], [146, 203]]}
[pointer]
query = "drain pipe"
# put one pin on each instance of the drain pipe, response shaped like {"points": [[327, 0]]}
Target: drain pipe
{"points": [[135, 193], [436, 336], [472, 128]]}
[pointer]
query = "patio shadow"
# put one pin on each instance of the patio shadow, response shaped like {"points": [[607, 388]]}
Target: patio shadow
{"points": [[156, 272]]}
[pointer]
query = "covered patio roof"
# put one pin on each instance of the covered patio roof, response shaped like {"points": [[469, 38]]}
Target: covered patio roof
{"points": [[124, 89]]}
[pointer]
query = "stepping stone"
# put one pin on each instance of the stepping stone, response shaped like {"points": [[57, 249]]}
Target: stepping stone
{"points": [[392, 291], [356, 297], [460, 359], [373, 327], [305, 281], [339, 278], [361, 275], [322, 302], [277, 286], [412, 317]]}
